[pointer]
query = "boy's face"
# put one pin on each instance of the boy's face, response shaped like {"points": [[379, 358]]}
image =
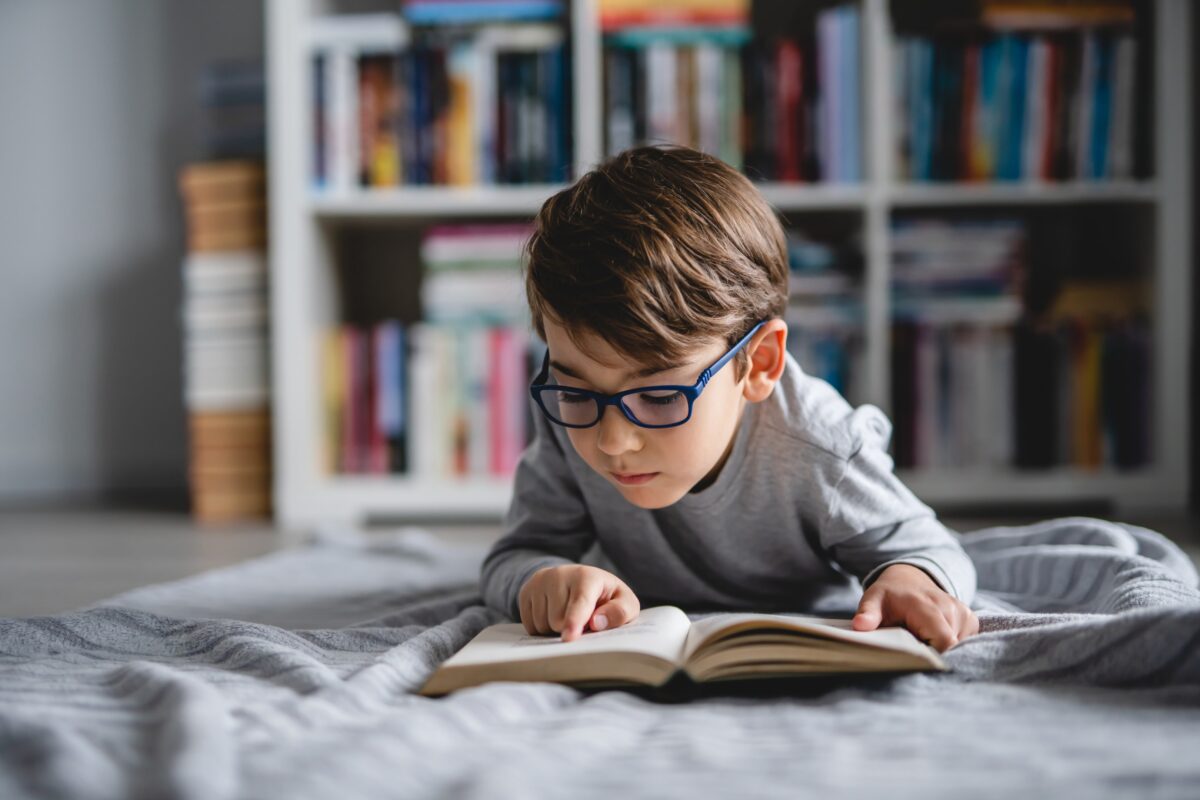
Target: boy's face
{"points": [[651, 468]]}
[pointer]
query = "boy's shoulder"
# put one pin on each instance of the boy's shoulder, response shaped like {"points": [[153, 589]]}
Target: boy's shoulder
{"points": [[812, 414]]}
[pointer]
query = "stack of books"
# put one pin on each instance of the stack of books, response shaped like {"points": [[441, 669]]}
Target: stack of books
{"points": [[936, 259], [233, 95], [1039, 94], [691, 72], [450, 94], [446, 397], [825, 310], [225, 320], [956, 296]]}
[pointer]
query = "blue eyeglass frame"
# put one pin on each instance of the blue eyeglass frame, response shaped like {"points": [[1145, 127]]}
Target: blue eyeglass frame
{"points": [[603, 401]]}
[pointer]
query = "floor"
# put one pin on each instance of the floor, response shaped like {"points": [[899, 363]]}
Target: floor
{"points": [[55, 560]]}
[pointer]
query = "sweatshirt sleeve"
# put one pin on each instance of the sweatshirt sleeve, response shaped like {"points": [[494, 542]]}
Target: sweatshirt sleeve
{"points": [[874, 521], [547, 523]]}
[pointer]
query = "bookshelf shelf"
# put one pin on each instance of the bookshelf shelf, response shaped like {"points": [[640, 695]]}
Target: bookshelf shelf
{"points": [[1027, 193], [832, 197], [526, 200], [435, 201], [304, 294]]}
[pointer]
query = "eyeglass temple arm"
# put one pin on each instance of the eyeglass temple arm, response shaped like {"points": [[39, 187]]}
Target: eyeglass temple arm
{"points": [[708, 374]]}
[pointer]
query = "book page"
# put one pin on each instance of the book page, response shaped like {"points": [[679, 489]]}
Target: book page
{"points": [[658, 632], [709, 629]]}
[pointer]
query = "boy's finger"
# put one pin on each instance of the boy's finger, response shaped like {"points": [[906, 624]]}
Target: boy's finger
{"points": [[579, 610], [930, 625], [968, 625], [527, 614], [870, 611], [620, 609], [540, 623]]}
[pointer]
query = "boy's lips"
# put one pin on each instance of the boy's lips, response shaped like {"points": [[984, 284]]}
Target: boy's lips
{"points": [[633, 478]]}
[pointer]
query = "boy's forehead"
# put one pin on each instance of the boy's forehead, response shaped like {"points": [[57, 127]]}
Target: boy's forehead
{"points": [[586, 353], [589, 355]]}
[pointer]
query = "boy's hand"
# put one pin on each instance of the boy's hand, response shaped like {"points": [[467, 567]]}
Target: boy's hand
{"points": [[906, 595], [565, 599]]}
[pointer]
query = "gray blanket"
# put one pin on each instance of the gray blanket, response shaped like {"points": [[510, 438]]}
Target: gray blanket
{"points": [[292, 676]]}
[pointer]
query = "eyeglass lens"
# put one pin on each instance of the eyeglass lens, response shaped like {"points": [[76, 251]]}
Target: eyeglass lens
{"points": [[664, 407]]}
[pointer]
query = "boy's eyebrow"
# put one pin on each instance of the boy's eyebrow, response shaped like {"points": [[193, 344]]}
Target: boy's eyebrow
{"points": [[565, 370]]}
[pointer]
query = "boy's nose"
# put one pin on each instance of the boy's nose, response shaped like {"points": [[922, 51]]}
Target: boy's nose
{"points": [[616, 434]]}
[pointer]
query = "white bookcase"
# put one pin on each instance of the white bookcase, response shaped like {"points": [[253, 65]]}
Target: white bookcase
{"points": [[304, 291]]}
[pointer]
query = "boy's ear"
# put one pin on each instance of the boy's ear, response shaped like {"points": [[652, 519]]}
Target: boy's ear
{"points": [[767, 351]]}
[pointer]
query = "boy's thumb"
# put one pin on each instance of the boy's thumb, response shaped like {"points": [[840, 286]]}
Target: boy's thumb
{"points": [[870, 613], [621, 609]]}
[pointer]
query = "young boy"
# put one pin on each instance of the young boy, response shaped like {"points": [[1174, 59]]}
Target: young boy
{"points": [[677, 436]]}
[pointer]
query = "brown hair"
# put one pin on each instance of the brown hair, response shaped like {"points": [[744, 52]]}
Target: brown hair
{"points": [[654, 250]]}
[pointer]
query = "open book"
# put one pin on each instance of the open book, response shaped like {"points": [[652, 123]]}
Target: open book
{"points": [[662, 642]]}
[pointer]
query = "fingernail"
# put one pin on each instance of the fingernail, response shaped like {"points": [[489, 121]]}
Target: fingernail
{"points": [[599, 622]]}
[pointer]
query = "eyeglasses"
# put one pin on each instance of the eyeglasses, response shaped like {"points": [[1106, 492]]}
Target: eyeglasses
{"points": [[645, 406]]}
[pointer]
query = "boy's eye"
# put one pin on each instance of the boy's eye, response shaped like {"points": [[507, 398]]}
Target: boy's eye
{"points": [[660, 398], [568, 398]]}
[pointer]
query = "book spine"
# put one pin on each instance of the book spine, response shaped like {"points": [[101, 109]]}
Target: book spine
{"points": [[1124, 83], [1035, 105], [788, 87], [497, 417], [850, 90], [970, 112], [731, 144], [829, 125], [342, 127], [461, 124], [1083, 124], [320, 142], [1101, 111], [349, 454], [708, 100]]}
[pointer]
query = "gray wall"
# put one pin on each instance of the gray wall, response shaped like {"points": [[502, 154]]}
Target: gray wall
{"points": [[98, 109]]}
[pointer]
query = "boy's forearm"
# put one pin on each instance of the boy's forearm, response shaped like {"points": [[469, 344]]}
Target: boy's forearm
{"points": [[922, 542]]}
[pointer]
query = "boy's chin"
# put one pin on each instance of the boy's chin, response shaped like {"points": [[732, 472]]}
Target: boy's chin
{"points": [[651, 497]]}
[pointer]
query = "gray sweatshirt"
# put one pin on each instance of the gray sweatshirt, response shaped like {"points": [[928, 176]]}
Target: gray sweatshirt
{"points": [[806, 503]]}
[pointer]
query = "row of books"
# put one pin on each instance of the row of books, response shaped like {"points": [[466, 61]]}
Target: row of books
{"points": [[430, 400], [463, 106], [782, 109], [1073, 392], [936, 256], [952, 395], [1008, 107], [474, 247], [823, 270], [1082, 394], [827, 343], [473, 273], [225, 340], [438, 401]]}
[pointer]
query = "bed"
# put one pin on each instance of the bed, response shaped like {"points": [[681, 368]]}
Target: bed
{"points": [[293, 676]]}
